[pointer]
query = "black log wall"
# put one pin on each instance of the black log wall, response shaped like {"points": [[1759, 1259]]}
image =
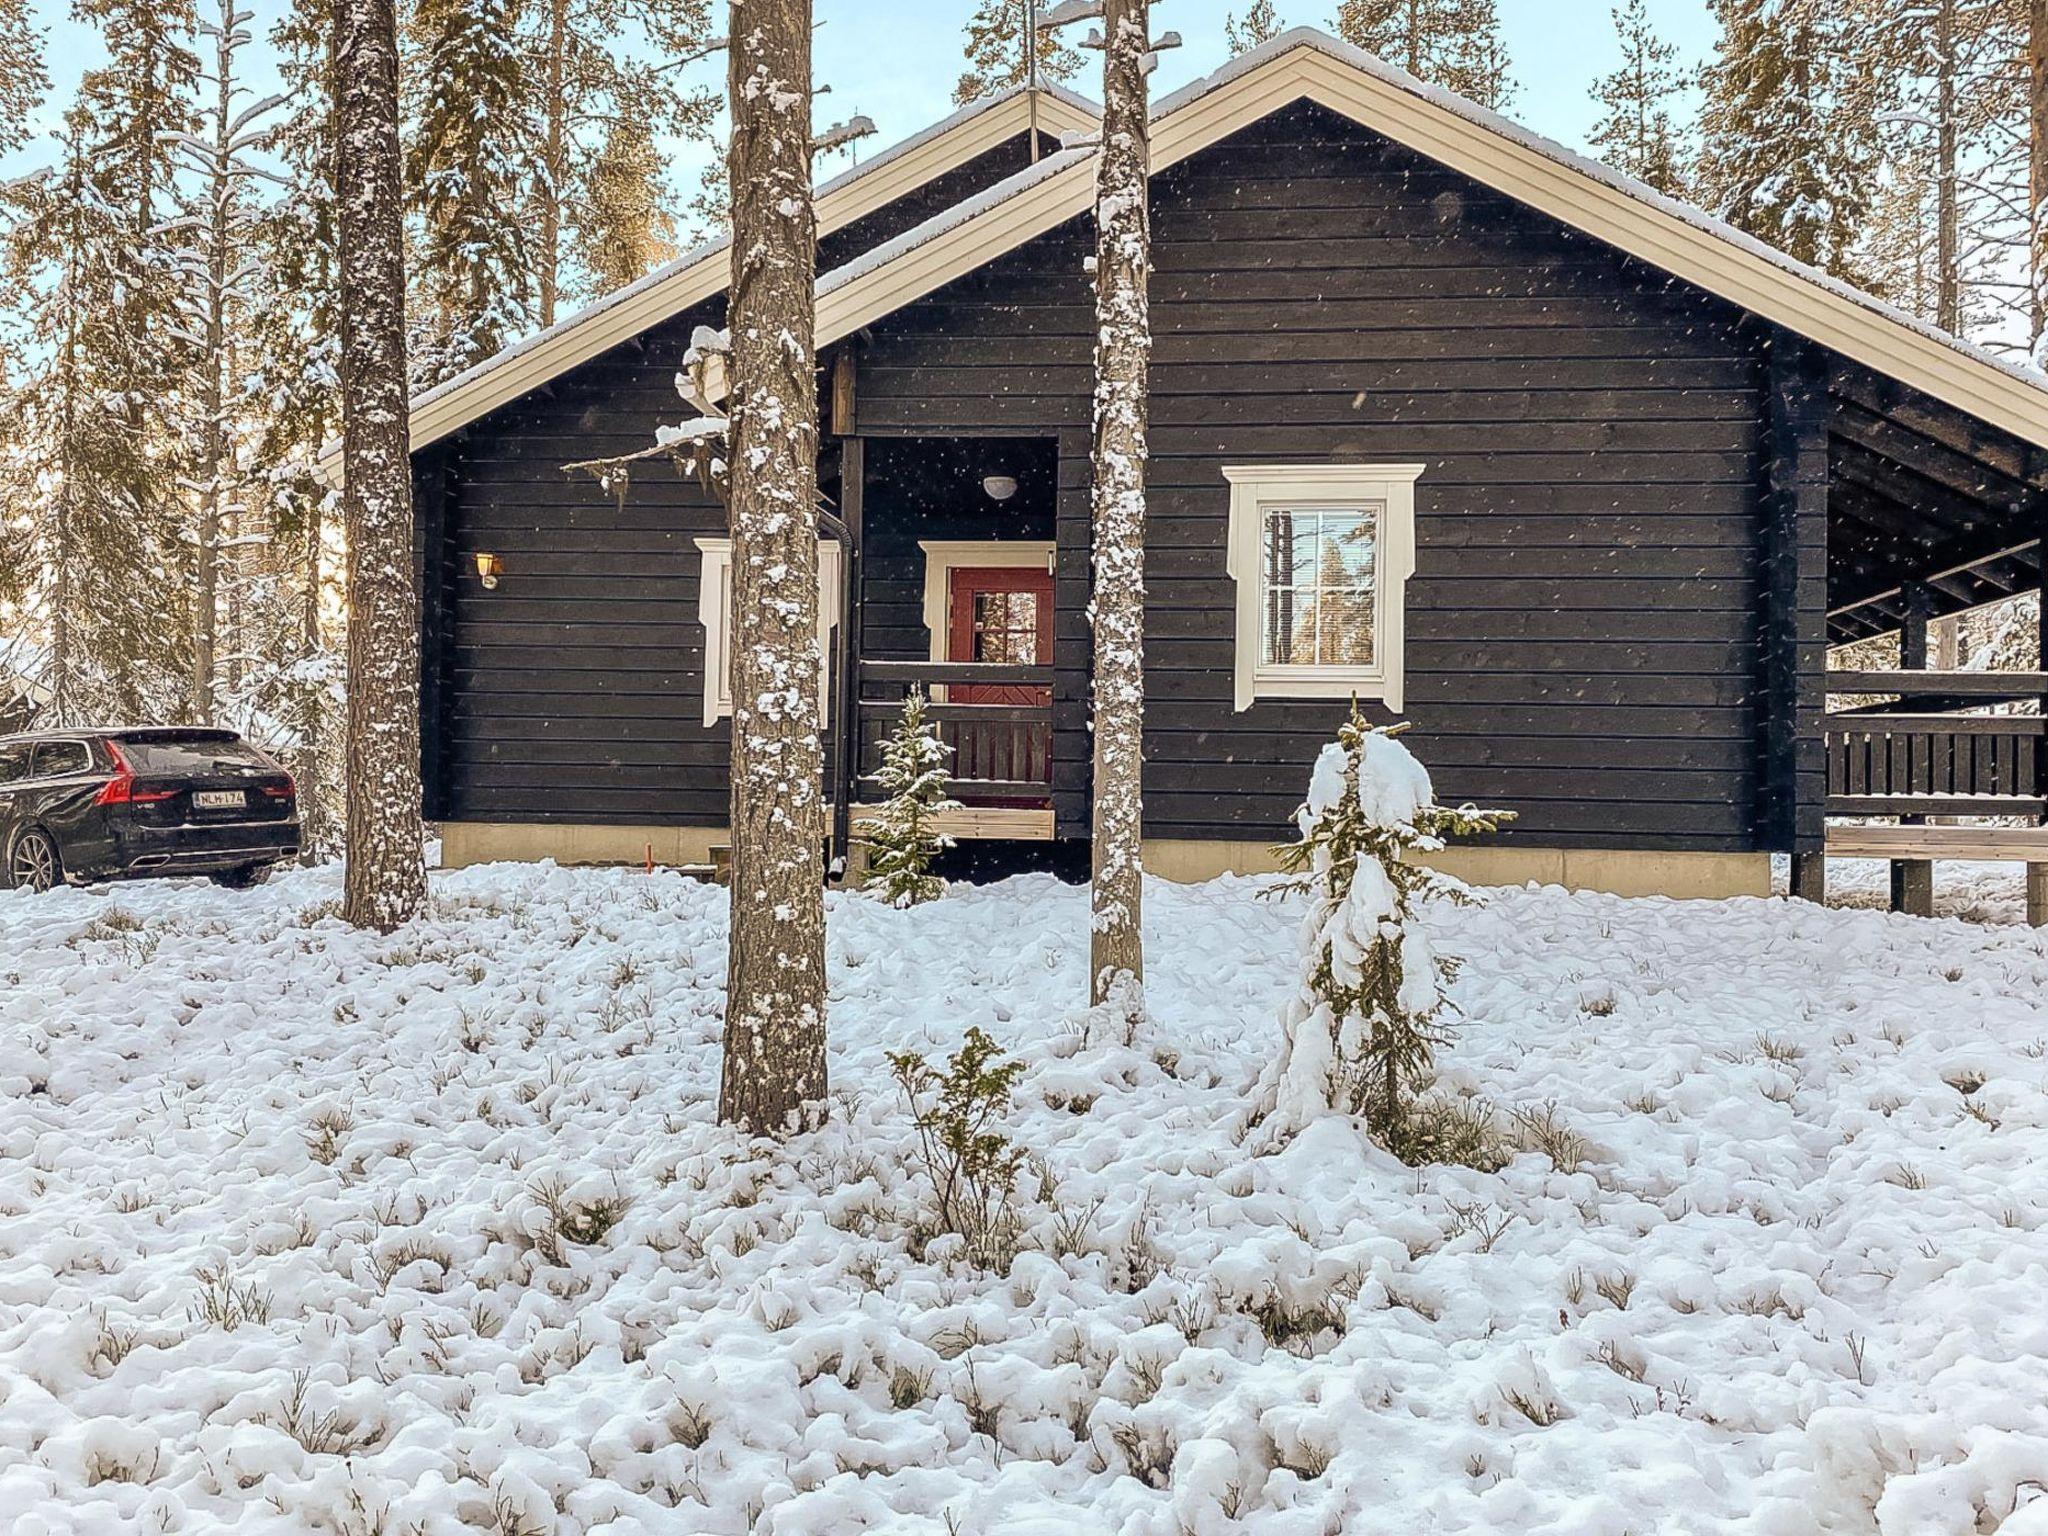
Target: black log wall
{"points": [[1583, 621]]}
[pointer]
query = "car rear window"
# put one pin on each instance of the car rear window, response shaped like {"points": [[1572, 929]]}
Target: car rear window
{"points": [[13, 762], [190, 754]]}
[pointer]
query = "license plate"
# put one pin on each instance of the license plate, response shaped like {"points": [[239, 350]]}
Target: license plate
{"points": [[219, 799]]}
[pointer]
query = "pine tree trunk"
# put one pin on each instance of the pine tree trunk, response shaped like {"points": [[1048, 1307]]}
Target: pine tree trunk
{"points": [[554, 168], [2037, 164], [386, 875], [1123, 330], [1948, 293], [775, 979], [213, 450]]}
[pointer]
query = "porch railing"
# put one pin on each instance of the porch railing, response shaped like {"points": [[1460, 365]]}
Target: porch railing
{"points": [[1002, 752], [1910, 758]]}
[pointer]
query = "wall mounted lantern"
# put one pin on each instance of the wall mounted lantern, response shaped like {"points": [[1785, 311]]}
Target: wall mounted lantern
{"points": [[488, 569]]}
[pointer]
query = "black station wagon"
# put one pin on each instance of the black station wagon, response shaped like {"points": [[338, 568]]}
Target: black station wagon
{"points": [[89, 805]]}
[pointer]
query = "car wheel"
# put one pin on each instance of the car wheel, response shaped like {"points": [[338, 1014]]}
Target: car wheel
{"points": [[33, 864], [241, 879]]}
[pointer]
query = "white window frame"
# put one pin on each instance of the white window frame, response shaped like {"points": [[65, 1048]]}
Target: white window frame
{"points": [[1256, 489], [714, 612]]}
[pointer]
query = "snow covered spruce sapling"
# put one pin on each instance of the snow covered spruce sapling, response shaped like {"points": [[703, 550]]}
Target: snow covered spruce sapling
{"points": [[903, 836], [1361, 1031]]}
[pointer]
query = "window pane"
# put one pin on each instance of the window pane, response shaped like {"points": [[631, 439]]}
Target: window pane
{"points": [[1006, 627], [1319, 586], [1290, 626]]}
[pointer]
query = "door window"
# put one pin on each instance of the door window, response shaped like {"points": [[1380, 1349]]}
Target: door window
{"points": [[56, 758], [1006, 628]]}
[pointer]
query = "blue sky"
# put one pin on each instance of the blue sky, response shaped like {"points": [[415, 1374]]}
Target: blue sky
{"points": [[896, 60]]}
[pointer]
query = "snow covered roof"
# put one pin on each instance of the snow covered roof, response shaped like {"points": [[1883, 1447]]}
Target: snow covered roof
{"points": [[1308, 64], [699, 273]]}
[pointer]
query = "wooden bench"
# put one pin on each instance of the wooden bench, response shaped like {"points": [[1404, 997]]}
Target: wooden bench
{"points": [[1913, 850]]}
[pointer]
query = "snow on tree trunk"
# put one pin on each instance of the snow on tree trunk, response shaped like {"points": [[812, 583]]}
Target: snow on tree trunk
{"points": [[385, 882], [1359, 1035], [901, 836], [775, 981], [1123, 347]]}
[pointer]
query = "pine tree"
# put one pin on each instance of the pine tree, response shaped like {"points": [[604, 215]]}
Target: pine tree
{"points": [[1123, 352], [1456, 44], [293, 388], [594, 116], [902, 835], [999, 46], [1788, 157], [1360, 1033], [130, 114], [775, 978], [77, 558], [1259, 25], [1639, 136], [385, 878], [465, 174], [625, 229], [23, 78], [222, 281]]}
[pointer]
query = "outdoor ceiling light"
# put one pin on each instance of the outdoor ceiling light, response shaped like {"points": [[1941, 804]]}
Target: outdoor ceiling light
{"points": [[1000, 487]]}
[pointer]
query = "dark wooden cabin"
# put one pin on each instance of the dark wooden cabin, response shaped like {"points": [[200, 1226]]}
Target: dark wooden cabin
{"points": [[1644, 472]]}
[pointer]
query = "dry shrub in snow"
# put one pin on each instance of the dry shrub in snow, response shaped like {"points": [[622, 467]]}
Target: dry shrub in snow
{"points": [[902, 836], [1359, 1035], [970, 1161]]}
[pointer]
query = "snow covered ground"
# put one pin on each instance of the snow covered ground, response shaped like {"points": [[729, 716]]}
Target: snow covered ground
{"points": [[304, 1230]]}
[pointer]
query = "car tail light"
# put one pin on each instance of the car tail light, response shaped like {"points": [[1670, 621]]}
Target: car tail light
{"points": [[122, 789], [282, 791]]}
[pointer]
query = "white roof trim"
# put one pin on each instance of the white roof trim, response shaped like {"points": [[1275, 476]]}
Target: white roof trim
{"points": [[703, 271], [1305, 63]]}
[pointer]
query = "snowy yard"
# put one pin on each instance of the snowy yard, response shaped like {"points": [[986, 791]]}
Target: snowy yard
{"points": [[302, 1230]]}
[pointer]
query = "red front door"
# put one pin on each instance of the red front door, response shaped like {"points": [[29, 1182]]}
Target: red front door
{"points": [[1000, 615]]}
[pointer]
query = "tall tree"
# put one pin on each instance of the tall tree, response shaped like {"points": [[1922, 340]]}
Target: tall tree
{"points": [[222, 281], [465, 173], [1639, 135], [294, 386], [1258, 25], [1456, 44], [385, 880], [2037, 178], [69, 512], [590, 107], [132, 110], [775, 978], [1788, 155], [23, 78], [1000, 45], [626, 228], [1123, 352]]}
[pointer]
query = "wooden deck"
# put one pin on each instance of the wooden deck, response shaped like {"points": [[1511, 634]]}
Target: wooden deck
{"points": [[1924, 762]]}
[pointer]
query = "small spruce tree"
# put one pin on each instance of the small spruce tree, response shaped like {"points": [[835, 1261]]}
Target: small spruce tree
{"points": [[1359, 1036], [902, 837]]}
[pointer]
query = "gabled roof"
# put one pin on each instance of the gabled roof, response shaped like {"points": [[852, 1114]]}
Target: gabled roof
{"points": [[704, 271], [1305, 64]]}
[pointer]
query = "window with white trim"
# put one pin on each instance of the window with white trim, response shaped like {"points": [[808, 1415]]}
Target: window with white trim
{"points": [[1321, 554], [714, 611]]}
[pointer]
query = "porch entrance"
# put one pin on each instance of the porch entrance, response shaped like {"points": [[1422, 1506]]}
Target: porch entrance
{"points": [[956, 599]]}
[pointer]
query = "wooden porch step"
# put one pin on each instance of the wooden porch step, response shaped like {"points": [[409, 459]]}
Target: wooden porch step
{"points": [[1030, 824]]}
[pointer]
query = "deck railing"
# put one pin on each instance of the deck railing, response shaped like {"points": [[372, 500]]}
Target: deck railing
{"points": [[1910, 758], [1002, 752]]}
